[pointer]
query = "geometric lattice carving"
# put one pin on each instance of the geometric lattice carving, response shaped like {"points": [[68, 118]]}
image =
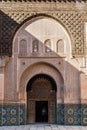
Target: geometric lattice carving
{"points": [[73, 23], [8, 27], [71, 20]]}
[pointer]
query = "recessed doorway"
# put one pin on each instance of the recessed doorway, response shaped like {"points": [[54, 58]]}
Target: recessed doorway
{"points": [[41, 111], [41, 99]]}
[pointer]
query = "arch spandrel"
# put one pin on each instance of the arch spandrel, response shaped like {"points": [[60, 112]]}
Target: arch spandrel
{"points": [[43, 28]]}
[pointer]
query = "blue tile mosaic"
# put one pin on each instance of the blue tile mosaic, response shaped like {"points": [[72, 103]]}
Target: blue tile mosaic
{"points": [[72, 114], [84, 114], [67, 114], [60, 114], [10, 114], [0, 114], [22, 114]]}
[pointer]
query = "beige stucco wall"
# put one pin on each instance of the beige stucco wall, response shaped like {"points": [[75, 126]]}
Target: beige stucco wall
{"points": [[64, 69]]}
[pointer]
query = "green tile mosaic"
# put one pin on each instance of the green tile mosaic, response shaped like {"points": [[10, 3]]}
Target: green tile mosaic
{"points": [[84, 114], [0, 114], [67, 114], [72, 114], [22, 114], [60, 114], [10, 114]]}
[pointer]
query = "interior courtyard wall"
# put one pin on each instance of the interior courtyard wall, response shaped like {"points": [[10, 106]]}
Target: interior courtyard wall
{"points": [[73, 16], [20, 64]]}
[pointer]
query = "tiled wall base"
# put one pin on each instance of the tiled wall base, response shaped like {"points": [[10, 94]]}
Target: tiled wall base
{"points": [[12, 114], [67, 114], [60, 114], [84, 114], [0, 114], [72, 114]]}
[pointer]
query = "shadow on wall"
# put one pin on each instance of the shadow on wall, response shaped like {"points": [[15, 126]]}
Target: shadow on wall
{"points": [[67, 114], [7, 29], [15, 114]]}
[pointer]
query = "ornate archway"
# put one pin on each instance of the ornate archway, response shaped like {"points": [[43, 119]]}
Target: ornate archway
{"points": [[41, 99]]}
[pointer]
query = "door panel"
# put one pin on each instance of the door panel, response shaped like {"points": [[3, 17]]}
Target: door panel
{"points": [[41, 111]]}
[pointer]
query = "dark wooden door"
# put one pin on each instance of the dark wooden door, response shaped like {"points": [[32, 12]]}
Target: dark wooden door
{"points": [[41, 111]]}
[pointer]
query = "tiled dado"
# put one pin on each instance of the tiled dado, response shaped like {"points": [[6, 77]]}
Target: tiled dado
{"points": [[72, 114], [13, 114], [0, 114], [67, 114], [60, 114], [84, 114], [22, 114]]}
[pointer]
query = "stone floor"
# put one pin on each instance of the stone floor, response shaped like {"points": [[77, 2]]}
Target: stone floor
{"points": [[43, 127]]}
